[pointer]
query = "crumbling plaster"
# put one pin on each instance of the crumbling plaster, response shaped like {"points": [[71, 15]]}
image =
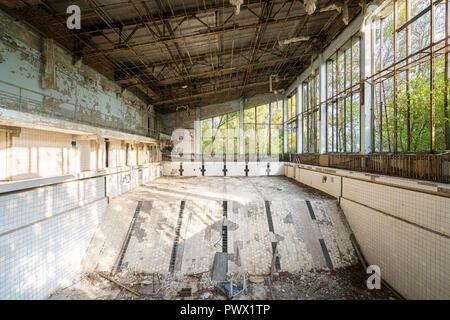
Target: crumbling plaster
{"points": [[80, 92]]}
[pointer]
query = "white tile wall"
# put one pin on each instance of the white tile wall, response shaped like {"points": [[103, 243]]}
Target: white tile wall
{"points": [[276, 168], [3, 155], [289, 170], [213, 169], [191, 169], [44, 232], [426, 210], [328, 183], [34, 260], [22, 208], [412, 260], [405, 232], [235, 169]]}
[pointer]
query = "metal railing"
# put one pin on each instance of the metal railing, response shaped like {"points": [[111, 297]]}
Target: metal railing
{"points": [[21, 99], [432, 167]]}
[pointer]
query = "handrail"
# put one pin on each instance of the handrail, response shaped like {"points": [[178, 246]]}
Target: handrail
{"points": [[431, 167]]}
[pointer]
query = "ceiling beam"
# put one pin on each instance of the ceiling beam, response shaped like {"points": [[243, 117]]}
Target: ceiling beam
{"points": [[207, 33], [102, 15], [187, 14], [203, 94], [228, 69], [265, 47]]}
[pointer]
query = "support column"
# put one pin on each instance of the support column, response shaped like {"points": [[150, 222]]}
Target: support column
{"points": [[323, 104], [197, 132], [9, 156], [367, 88], [285, 138], [241, 126], [299, 117]]}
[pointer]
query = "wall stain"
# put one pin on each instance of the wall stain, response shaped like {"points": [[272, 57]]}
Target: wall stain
{"points": [[93, 104]]}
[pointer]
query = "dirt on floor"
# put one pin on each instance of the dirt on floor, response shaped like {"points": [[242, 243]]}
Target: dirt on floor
{"points": [[347, 283]]}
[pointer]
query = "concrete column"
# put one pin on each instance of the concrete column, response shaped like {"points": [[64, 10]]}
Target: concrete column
{"points": [[366, 71], [285, 115], [299, 121], [9, 156], [197, 132], [3, 155], [323, 104], [241, 126], [96, 154]]}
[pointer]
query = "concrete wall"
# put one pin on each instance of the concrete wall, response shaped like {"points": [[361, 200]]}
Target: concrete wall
{"points": [[47, 224], [401, 225]]}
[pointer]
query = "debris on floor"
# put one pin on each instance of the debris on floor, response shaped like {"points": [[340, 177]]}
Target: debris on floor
{"points": [[289, 245], [231, 289], [342, 283]]}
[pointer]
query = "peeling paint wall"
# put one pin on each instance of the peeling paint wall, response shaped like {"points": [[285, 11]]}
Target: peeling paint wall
{"points": [[81, 94]]}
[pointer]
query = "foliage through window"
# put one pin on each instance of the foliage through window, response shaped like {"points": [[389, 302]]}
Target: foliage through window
{"points": [[291, 125], [344, 99], [311, 114], [410, 79], [220, 135], [262, 128]]}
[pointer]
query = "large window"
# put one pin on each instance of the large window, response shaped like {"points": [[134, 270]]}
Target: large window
{"points": [[263, 129], [276, 127], [292, 123], [311, 114], [220, 135], [344, 99], [410, 68]]}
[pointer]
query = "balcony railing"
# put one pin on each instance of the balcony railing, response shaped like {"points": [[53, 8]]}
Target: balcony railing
{"points": [[18, 98], [432, 167]]}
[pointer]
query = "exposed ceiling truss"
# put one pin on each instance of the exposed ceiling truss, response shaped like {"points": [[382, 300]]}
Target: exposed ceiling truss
{"points": [[190, 51]]}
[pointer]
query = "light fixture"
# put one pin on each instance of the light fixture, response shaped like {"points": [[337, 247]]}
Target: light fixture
{"points": [[273, 78], [332, 7], [182, 108], [184, 86], [237, 4], [341, 8], [345, 16], [310, 6], [292, 40]]}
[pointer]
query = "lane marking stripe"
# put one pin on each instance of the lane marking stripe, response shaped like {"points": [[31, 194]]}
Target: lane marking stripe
{"points": [[326, 254], [173, 256], [310, 209]]}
